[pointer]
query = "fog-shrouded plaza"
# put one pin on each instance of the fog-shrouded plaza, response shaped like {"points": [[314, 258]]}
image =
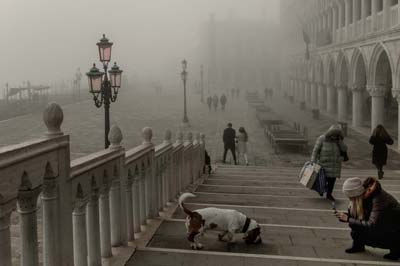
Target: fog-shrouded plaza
{"points": [[111, 111]]}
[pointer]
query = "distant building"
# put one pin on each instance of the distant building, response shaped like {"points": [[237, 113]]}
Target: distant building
{"points": [[239, 53], [352, 71]]}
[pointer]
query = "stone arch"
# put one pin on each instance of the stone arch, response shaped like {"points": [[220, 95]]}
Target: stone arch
{"points": [[344, 93], [342, 70], [361, 98], [379, 62], [330, 71]]}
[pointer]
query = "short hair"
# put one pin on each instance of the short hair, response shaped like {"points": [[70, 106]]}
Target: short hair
{"points": [[229, 124]]}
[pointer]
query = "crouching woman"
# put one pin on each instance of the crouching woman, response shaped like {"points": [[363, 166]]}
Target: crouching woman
{"points": [[373, 216]]}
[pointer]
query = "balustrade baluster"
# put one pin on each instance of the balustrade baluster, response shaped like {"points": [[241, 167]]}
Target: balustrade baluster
{"points": [[105, 231], [93, 228], [115, 209], [136, 202], [142, 196], [129, 207], [5, 234], [79, 229]]}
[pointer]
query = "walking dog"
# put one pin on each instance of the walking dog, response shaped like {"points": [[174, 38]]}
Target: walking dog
{"points": [[231, 223]]}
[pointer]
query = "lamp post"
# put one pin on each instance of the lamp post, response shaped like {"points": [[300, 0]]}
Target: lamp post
{"points": [[103, 88], [201, 83], [184, 75]]}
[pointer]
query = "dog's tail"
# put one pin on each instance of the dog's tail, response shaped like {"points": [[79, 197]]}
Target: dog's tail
{"points": [[181, 201]]}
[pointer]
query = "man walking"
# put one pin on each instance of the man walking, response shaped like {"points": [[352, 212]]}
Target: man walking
{"points": [[229, 142]]}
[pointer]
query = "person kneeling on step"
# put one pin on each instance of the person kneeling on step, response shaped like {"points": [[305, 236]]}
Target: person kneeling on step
{"points": [[373, 216]]}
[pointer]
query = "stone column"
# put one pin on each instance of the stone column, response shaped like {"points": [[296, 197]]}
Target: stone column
{"points": [[347, 19], [378, 105], [27, 199], [396, 94], [79, 229], [342, 104], [302, 95], [115, 210], [136, 203], [314, 95], [386, 14], [355, 12], [308, 93], [129, 206], [321, 97], [49, 197], [5, 234], [331, 106], [105, 230], [364, 16], [340, 18], [335, 24], [374, 11], [358, 106], [93, 228]]}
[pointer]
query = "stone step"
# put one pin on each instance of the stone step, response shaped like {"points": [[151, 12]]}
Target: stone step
{"points": [[388, 185], [280, 216], [306, 202], [285, 242], [173, 257], [265, 190]]}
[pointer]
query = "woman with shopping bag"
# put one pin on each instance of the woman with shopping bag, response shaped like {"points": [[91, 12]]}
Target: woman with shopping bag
{"points": [[329, 152]]}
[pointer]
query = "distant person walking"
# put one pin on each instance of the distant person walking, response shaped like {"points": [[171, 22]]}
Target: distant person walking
{"points": [[215, 102], [209, 102], [379, 139], [242, 138], [223, 101], [229, 142], [329, 152]]}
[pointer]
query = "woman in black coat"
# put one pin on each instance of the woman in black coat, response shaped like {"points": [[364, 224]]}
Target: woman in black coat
{"points": [[379, 139]]}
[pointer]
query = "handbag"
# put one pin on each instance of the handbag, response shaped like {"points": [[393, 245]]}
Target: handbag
{"points": [[309, 174]]}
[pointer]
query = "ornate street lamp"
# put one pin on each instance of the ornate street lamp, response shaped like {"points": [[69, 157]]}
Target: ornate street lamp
{"points": [[184, 75], [104, 89]]}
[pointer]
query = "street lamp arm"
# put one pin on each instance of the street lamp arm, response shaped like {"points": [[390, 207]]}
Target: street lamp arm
{"points": [[98, 102], [114, 95]]}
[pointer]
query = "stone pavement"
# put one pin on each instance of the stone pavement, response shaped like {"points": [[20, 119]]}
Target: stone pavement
{"points": [[298, 226]]}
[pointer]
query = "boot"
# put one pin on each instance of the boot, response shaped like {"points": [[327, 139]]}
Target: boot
{"points": [[380, 174], [393, 255], [330, 197], [355, 248]]}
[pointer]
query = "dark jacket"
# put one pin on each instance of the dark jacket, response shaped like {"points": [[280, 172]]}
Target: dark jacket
{"points": [[229, 137], [382, 212], [379, 152]]}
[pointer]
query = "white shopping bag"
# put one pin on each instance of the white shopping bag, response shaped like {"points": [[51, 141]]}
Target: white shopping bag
{"points": [[309, 174]]}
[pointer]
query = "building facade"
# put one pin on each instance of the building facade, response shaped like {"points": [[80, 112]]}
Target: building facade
{"points": [[352, 70]]}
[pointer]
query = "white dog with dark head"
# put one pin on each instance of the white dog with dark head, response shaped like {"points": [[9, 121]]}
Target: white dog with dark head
{"points": [[232, 224]]}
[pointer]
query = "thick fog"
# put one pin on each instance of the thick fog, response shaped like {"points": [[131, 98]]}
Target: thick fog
{"points": [[46, 40]]}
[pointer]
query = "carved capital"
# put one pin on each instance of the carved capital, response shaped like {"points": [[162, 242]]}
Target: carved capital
{"points": [[80, 201], [377, 91], [5, 212], [396, 94], [358, 88], [50, 190]]}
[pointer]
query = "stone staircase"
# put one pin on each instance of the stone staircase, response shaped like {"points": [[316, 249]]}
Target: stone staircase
{"points": [[298, 226]]}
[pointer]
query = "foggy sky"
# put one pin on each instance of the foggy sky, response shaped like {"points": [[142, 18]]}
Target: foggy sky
{"points": [[46, 40]]}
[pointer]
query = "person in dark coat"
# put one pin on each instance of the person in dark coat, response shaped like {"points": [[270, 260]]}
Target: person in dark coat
{"points": [[209, 102], [379, 139], [223, 100], [373, 216], [207, 163], [229, 142]]}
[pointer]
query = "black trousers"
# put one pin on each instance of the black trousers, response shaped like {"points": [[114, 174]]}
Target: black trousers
{"points": [[232, 149], [376, 238], [331, 184]]}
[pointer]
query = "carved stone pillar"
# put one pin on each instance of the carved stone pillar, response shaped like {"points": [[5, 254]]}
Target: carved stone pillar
{"points": [[129, 206], [49, 197], [331, 99], [79, 229], [136, 202], [105, 231], [378, 105], [342, 104], [5, 235], [314, 95], [115, 210], [93, 227], [159, 185], [142, 196], [358, 106], [27, 199]]}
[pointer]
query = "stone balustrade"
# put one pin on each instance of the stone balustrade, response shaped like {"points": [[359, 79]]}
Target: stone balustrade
{"points": [[93, 203]]}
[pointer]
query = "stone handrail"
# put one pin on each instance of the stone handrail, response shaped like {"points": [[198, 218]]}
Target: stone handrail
{"points": [[93, 203]]}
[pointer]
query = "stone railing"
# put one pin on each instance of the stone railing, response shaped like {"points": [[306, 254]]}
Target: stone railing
{"points": [[93, 203]]}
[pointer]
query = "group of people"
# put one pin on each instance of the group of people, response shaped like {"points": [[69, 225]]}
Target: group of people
{"points": [[214, 100], [231, 140], [373, 214]]}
